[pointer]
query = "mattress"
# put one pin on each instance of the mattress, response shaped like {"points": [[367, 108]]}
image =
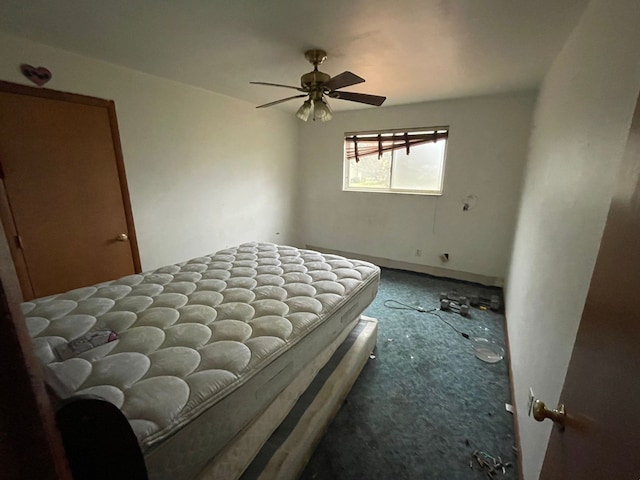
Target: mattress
{"points": [[191, 352]]}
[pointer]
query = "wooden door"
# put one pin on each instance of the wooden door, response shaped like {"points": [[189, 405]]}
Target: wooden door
{"points": [[66, 207], [601, 392]]}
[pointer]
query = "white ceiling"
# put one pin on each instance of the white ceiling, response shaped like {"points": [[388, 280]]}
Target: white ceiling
{"points": [[407, 50]]}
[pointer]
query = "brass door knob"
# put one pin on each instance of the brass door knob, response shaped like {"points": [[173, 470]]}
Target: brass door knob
{"points": [[123, 237], [558, 415]]}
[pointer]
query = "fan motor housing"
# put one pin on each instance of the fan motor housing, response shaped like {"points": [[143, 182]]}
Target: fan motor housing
{"points": [[311, 79]]}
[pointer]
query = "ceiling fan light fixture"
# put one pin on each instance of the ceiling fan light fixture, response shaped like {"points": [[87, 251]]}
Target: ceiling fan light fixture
{"points": [[304, 111], [322, 110], [316, 84]]}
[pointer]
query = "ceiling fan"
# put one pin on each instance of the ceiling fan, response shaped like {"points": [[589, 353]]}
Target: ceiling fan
{"points": [[316, 85]]}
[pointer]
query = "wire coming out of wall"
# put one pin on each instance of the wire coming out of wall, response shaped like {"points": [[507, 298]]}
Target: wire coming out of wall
{"points": [[469, 202]]}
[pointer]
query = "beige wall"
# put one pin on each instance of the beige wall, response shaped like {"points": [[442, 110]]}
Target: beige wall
{"points": [[580, 128], [486, 153], [196, 184]]}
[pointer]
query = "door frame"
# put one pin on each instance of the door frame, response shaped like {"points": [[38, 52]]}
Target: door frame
{"points": [[6, 216], [30, 441]]}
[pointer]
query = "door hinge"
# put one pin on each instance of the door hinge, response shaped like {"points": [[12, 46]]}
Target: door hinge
{"points": [[19, 242]]}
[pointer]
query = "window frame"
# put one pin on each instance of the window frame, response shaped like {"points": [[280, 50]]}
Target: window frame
{"points": [[390, 189]]}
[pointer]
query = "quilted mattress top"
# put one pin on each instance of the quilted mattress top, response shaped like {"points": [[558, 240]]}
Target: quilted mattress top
{"points": [[189, 333]]}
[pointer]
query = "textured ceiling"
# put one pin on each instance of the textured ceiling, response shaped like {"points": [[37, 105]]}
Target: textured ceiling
{"points": [[407, 50]]}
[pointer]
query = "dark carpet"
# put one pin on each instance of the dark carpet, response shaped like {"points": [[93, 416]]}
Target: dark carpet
{"points": [[425, 403]]}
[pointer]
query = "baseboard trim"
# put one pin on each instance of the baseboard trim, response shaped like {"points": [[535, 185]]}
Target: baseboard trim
{"points": [[415, 267]]}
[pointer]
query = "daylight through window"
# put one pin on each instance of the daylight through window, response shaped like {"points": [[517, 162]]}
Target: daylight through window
{"points": [[396, 161]]}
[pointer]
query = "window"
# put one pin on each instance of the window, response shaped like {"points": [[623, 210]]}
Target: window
{"points": [[396, 161]]}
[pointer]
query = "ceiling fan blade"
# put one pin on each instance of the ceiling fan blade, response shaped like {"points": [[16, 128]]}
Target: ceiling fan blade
{"points": [[344, 79], [281, 100], [278, 85], [359, 97]]}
